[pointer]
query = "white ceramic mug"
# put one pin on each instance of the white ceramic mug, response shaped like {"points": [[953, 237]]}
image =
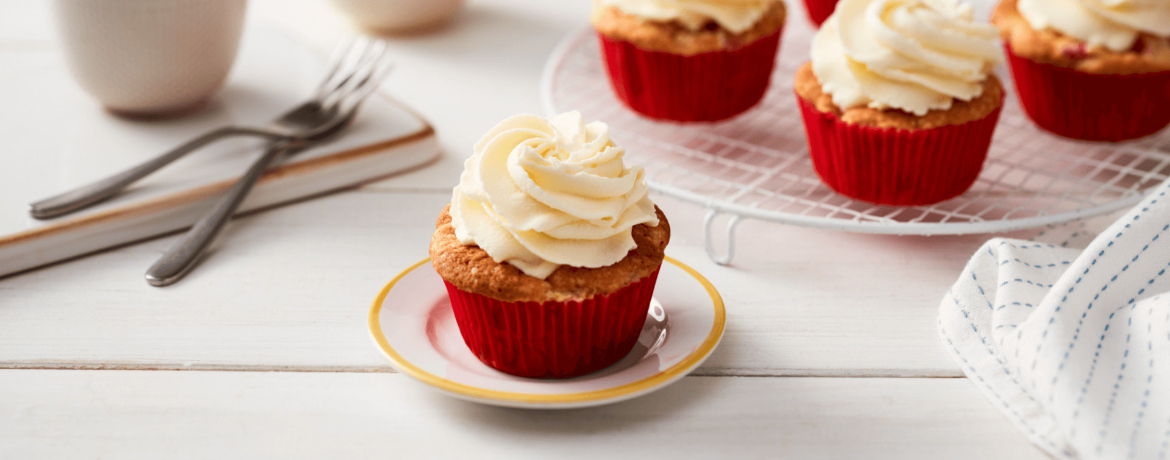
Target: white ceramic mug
{"points": [[150, 57], [399, 15]]}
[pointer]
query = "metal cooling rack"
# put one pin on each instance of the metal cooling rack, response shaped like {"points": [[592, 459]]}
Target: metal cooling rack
{"points": [[757, 166]]}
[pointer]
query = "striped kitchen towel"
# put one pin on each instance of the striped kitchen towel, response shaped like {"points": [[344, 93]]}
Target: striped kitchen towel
{"points": [[1073, 346]]}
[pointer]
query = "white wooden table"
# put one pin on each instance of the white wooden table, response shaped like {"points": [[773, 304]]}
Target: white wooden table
{"points": [[830, 350]]}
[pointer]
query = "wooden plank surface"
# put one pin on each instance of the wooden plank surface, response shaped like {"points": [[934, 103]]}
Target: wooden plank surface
{"points": [[135, 414], [289, 289]]}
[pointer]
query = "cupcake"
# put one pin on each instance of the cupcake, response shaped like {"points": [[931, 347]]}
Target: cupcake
{"points": [[899, 102], [1090, 69], [819, 10], [689, 60], [550, 248]]}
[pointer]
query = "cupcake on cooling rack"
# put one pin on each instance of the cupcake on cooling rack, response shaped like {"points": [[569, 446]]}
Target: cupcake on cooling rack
{"points": [[689, 60], [819, 10], [1090, 69], [550, 248], [899, 102]]}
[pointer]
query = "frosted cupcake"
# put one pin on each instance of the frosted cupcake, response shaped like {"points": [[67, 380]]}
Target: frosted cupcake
{"points": [[1090, 69], [689, 60], [550, 248], [899, 102]]}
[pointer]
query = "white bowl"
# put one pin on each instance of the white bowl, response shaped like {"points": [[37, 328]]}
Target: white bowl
{"points": [[149, 57], [399, 15]]}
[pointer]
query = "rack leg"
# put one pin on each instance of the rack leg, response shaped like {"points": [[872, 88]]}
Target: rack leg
{"points": [[708, 239]]}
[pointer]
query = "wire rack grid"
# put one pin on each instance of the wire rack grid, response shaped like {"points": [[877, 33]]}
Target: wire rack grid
{"points": [[756, 165]]}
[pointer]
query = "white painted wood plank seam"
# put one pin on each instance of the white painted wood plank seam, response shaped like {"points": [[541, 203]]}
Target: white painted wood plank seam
{"points": [[214, 367]]}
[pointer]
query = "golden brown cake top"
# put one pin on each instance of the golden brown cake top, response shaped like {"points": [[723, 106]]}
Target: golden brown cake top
{"points": [[809, 89], [1149, 53], [674, 37], [471, 269]]}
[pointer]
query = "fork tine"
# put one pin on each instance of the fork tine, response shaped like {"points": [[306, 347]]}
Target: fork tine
{"points": [[360, 77], [358, 72], [340, 52], [355, 62], [371, 84], [353, 57]]}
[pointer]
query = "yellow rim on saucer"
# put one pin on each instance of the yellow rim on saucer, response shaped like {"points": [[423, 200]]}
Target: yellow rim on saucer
{"points": [[474, 392]]}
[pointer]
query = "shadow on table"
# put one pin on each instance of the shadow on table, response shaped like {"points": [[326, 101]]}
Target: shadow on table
{"points": [[663, 404]]}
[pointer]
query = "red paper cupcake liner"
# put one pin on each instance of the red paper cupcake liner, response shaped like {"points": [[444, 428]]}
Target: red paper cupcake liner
{"points": [[553, 339], [819, 10], [709, 86], [896, 166], [1091, 107]]}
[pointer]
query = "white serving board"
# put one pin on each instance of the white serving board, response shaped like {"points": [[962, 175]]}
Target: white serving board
{"points": [[54, 137]]}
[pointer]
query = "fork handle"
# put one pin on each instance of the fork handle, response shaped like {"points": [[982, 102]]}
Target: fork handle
{"points": [[88, 195], [185, 254]]}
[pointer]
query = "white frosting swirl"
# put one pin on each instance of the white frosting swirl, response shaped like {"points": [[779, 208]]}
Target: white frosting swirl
{"points": [[1114, 24], [540, 193], [913, 55], [733, 15]]}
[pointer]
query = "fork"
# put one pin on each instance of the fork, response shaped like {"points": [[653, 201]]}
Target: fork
{"points": [[352, 77], [295, 125]]}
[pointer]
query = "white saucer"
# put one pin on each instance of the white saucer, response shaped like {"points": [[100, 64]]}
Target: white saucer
{"points": [[412, 323]]}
